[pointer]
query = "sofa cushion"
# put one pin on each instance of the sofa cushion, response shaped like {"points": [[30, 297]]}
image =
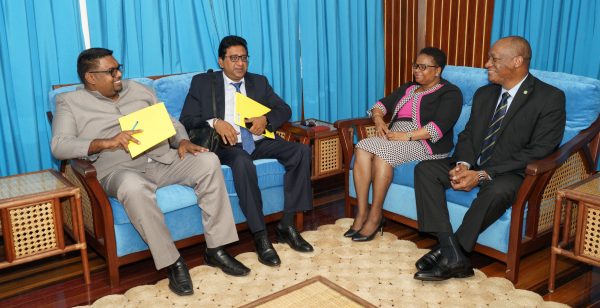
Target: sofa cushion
{"points": [[172, 90], [174, 197]]}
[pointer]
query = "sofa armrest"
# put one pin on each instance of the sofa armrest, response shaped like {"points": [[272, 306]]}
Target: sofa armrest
{"points": [[96, 207], [586, 142]]}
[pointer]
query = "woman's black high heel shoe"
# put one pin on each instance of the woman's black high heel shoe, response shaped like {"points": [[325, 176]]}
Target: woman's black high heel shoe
{"points": [[350, 233], [357, 237]]}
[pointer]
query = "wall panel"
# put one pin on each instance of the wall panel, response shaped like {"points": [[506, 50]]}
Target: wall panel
{"points": [[462, 28]]}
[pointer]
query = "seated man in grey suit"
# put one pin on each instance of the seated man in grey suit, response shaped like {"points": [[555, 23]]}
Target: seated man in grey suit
{"points": [[86, 126], [241, 145], [514, 120]]}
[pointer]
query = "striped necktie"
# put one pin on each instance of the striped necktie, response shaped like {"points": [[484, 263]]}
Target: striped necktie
{"points": [[247, 139], [492, 133]]}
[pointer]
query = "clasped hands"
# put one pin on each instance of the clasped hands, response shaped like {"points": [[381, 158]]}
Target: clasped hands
{"points": [[461, 178], [229, 134]]}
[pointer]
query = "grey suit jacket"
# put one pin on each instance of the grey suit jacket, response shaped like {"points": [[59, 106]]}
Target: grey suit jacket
{"points": [[82, 116]]}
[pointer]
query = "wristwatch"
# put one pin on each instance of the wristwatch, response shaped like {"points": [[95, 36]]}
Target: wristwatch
{"points": [[481, 176], [409, 135]]}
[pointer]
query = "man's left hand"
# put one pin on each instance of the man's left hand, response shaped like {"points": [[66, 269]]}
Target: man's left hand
{"points": [[258, 125], [465, 180], [186, 146]]}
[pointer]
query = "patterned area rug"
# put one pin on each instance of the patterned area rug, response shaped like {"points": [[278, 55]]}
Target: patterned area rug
{"points": [[380, 271]]}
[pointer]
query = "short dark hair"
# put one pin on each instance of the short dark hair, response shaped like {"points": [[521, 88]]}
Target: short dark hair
{"points": [[88, 59], [438, 55], [231, 40]]}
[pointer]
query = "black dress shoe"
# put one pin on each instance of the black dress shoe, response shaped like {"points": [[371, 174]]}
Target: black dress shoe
{"points": [[442, 271], [180, 281], [291, 236], [226, 263], [452, 263], [429, 260], [350, 232], [266, 253]]}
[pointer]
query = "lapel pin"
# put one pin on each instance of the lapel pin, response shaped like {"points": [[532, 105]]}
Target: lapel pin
{"points": [[525, 92]]}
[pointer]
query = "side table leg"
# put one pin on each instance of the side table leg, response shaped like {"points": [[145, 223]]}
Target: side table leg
{"points": [[555, 236], [78, 224]]}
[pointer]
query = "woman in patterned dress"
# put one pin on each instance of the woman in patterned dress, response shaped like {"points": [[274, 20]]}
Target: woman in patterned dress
{"points": [[423, 115]]}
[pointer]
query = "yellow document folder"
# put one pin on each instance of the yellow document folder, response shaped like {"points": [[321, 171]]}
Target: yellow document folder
{"points": [[246, 107], [156, 126]]}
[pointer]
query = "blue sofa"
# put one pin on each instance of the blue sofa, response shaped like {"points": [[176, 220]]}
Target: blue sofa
{"points": [[527, 225], [108, 229]]}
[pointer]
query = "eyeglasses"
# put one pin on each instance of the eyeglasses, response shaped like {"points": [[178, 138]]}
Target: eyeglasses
{"points": [[236, 58], [421, 67], [112, 71]]}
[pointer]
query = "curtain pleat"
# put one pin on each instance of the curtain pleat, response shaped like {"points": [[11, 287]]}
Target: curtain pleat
{"points": [[563, 34], [342, 57], [39, 42]]}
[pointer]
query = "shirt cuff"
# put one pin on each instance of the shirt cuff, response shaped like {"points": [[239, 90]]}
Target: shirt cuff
{"points": [[210, 122], [464, 163]]}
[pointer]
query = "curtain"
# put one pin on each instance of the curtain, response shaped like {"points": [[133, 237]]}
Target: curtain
{"points": [[156, 37], [39, 44], [342, 57], [563, 34]]}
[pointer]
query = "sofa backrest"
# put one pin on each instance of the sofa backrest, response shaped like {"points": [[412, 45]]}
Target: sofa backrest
{"points": [[171, 90], [63, 89], [582, 95]]}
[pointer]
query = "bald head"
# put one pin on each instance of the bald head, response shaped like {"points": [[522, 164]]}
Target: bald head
{"points": [[508, 61], [519, 47]]}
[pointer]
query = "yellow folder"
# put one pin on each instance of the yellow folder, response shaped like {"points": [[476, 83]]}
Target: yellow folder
{"points": [[156, 126], [246, 107]]}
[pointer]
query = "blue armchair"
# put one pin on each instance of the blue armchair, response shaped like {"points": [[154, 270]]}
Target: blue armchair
{"points": [[527, 225]]}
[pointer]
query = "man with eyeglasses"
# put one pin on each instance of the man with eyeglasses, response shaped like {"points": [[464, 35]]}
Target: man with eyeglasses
{"points": [[516, 119], [86, 126], [241, 145]]}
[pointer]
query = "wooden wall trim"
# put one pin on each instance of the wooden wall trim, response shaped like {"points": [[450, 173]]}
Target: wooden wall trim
{"points": [[462, 28]]}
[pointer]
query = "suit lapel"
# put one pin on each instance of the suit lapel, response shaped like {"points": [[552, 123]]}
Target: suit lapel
{"points": [[220, 94], [520, 99], [250, 90]]}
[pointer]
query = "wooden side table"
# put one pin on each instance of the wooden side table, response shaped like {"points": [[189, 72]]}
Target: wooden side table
{"points": [[31, 212], [325, 143], [578, 238]]}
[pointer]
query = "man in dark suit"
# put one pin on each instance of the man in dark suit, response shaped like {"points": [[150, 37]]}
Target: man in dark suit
{"points": [[241, 145], [514, 120]]}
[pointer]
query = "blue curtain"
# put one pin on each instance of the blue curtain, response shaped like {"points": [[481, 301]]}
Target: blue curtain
{"points": [[156, 37], [342, 57], [39, 42], [563, 34]]}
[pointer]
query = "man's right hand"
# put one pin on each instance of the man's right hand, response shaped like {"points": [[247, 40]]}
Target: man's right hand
{"points": [[455, 172], [226, 131], [120, 140]]}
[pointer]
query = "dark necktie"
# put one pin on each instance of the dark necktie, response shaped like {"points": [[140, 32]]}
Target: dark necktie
{"points": [[247, 139], [492, 133]]}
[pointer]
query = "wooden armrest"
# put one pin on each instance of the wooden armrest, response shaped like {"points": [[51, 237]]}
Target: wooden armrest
{"points": [[347, 123], [579, 142], [83, 167]]}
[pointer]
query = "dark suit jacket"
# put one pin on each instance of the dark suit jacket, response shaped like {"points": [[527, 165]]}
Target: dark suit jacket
{"points": [[441, 107], [198, 103], [532, 128]]}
